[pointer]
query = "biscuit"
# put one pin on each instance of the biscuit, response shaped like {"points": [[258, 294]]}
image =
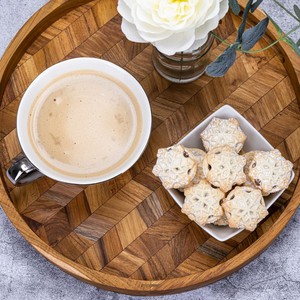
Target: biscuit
{"points": [[249, 157], [269, 171], [223, 221], [223, 168], [175, 167], [244, 208], [202, 203], [198, 156], [221, 132]]}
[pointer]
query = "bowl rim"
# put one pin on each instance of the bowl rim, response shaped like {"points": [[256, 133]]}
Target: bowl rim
{"points": [[211, 228]]}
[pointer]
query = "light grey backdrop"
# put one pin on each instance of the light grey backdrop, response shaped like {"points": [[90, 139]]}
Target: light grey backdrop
{"points": [[25, 274]]}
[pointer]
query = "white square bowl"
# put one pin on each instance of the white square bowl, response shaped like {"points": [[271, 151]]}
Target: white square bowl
{"points": [[255, 141]]}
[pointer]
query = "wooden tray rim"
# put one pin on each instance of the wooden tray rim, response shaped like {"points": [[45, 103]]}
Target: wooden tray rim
{"points": [[49, 13]]}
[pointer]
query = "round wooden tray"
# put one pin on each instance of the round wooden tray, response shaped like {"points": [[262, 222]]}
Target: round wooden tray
{"points": [[127, 234]]}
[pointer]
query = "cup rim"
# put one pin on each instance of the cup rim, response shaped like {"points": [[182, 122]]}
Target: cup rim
{"points": [[67, 66]]}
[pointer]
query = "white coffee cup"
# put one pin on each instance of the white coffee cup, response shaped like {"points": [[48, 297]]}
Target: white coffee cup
{"points": [[35, 165]]}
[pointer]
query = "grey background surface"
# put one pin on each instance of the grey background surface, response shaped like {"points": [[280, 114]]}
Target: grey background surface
{"points": [[25, 274]]}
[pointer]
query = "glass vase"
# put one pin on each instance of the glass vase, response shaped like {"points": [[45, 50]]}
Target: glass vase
{"points": [[183, 67]]}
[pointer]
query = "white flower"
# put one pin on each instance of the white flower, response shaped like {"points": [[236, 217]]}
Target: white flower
{"points": [[171, 25]]}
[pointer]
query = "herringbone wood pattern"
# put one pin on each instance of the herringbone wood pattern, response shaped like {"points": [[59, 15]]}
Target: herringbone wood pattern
{"points": [[129, 226]]}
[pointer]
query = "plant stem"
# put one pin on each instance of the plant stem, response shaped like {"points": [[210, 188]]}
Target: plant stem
{"points": [[274, 43], [263, 49], [292, 15], [259, 50], [220, 39]]}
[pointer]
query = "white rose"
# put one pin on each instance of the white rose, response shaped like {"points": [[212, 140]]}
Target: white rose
{"points": [[171, 25]]}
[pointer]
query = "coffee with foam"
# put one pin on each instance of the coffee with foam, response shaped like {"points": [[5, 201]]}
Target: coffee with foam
{"points": [[84, 124]]}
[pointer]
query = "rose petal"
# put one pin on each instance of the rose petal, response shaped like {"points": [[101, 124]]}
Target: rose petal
{"points": [[172, 26], [176, 15], [176, 43], [197, 44], [212, 11], [155, 37], [125, 11], [203, 30], [130, 3], [224, 6], [144, 23], [131, 32], [201, 11]]}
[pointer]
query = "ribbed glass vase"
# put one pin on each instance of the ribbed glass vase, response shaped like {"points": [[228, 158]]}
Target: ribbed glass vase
{"points": [[183, 67]]}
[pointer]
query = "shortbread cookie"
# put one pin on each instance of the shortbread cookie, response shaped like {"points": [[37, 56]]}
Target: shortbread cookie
{"points": [[249, 157], [269, 171], [202, 203], [175, 167], [221, 132], [224, 168], [198, 156], [244, 208], [223, 221]]}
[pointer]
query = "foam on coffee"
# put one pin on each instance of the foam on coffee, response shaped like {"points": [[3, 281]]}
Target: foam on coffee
{"points": [[85, 124]]}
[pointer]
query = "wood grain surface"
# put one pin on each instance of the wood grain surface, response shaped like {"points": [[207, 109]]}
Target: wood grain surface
{"points": [[127, 234]]}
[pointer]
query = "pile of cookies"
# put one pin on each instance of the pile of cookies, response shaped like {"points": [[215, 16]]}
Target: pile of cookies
{"points": [[221, 186]]}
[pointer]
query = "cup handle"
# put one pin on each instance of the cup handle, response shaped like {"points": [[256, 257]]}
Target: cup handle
{"points": [[22, 172]]}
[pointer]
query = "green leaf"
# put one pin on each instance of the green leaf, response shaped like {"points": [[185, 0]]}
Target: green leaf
{"points": [[297, 10], [253, 35], [222, 64], [290, 42], [298, 43], [234, 5], [256, 5]]}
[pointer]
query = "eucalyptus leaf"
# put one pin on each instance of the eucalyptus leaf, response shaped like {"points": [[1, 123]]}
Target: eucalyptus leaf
{"points": [[290, 42], [222, 64], [234, 5], [244, 20], [297, 11], [253, 35], [246, 39], [256, 5]]}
